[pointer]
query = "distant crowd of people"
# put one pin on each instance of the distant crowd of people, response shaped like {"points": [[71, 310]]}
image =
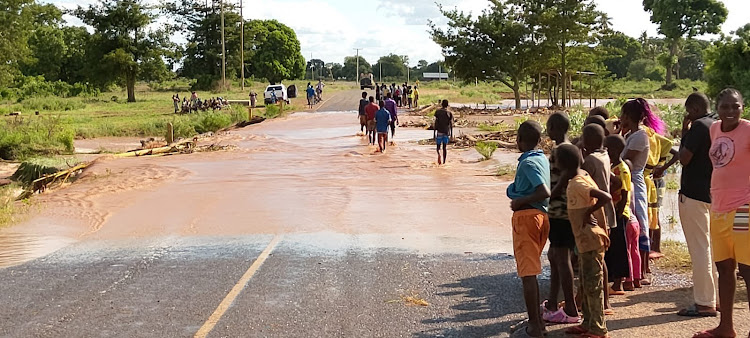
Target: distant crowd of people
{"points": [[404, 95], [195, 104]]}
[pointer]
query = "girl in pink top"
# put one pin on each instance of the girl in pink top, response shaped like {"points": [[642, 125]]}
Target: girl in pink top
{"points": [[730, 195]]}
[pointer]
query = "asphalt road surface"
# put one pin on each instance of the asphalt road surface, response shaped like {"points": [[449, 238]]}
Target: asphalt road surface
{"points": [[302, 231]]}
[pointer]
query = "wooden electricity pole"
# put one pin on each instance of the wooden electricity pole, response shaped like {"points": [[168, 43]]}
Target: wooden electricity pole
{"points": [[223, 52], [242, 47]]}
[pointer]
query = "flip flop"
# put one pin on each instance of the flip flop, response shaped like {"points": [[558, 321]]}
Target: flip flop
{"points": [[578, 329], [609, 312], [692, 311]]}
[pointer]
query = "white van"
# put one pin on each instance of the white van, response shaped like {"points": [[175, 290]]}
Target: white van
{"points": [[279, 90]]}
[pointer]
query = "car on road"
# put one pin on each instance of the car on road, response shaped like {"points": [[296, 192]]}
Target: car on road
{"points": [[366, 83], [279, 90]]}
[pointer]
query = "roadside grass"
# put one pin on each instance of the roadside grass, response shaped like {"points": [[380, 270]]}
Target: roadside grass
{"points": [[10, 209], [23, 137], [493, 127], [652, 89], [676, 257]]}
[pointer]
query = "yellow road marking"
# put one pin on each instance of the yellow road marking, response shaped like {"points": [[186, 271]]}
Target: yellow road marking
{"points": [[232, 295]]}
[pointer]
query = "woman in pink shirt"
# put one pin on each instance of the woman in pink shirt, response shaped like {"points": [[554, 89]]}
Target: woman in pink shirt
{"points": [[730, 195]]}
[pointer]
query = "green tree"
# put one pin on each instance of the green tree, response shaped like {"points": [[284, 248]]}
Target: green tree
{"points": [[276, 52], [128, 50], [15, 27], [319, 69], [392, 67], [349, 71], [646, 69], [497, 45], [728, 63], [680, 18], [564, 25], [620, 50], [691, 63]]}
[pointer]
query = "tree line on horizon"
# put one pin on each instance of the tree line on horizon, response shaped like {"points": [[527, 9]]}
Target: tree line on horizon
{"points": [[545, 43], [512, 42]]}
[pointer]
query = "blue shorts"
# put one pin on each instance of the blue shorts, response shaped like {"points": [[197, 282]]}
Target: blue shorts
{"points": [[442, 139]]}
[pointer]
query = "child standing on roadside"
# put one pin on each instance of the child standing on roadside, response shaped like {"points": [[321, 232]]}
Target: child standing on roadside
{"points": [[596, 164], [529, 194], [585, 203], [622, 256], [561, 239], [730, 194], [636, 151]]}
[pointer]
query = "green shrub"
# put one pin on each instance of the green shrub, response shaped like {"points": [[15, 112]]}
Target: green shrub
{"points": [[33, 169], [22, 138], [272, 111], [642, 69], [52, 103], [486, 149], [212, 122]]}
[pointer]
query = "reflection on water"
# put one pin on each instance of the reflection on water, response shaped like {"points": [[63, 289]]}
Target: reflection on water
{"points": [[17, 248]]}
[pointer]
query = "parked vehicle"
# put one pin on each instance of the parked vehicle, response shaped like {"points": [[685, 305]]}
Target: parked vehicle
{"points": [[277, 90]]}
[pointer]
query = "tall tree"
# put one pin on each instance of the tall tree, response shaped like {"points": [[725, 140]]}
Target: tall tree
{"points": [[728, 63], [16, 19], [680, 18], [128, 48], [564, 25], [497, 45], [691, 62], [392, 66], [349, 71], [318, 68], [620, 51], [275, 51]]}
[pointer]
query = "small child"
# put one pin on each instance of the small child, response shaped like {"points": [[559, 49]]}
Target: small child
{"points": [[382, 121], [529, 194], [585, 203], [370, 111], [622, 256], [596, 163], [561, 239]]}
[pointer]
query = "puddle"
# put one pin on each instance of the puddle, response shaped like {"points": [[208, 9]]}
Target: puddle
{"points": [[17, 248]]}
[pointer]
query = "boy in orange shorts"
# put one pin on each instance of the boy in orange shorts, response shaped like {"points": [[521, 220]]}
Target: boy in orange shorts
{"points": [[529, 194]]}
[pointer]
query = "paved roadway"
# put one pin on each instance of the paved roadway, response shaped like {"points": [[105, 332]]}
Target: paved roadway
{"points": [[301, 232]]}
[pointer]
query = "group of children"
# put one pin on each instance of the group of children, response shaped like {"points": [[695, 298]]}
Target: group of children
{"points": [[404, 95], [598, 198], [376, 119], [194, 104]]}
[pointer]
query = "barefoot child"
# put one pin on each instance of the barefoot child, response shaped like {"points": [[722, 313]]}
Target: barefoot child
{"points": [[730, 194], [529, 195], [362, 116], [370, 111], [585, 203], [596, 164], [561, 239], [382, 121], [392, 107], [443, 130], [622, 257]]}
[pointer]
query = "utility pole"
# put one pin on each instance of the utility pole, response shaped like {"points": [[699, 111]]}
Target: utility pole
{"points": [[223, 52], [356, 77], [381, 71], [242, 47]]}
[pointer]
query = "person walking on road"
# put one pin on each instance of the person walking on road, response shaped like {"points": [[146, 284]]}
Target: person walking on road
{"points": [[443, 130], [310, 96], [382, 121], [392, 108], [370, 111], [362, 116]]}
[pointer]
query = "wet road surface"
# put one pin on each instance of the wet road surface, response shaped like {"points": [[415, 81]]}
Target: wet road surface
{"points": [[303, 231]]}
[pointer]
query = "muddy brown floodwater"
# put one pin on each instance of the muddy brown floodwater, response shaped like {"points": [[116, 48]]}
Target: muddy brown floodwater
{"points": [[307, 173]]}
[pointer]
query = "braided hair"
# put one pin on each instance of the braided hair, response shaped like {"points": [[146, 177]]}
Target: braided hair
{"points": [[640, 110], [725, 92]]}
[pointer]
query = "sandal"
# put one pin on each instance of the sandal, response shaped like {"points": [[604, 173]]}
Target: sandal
{"points": [[692, 311], [609, 312], [645, 281]]}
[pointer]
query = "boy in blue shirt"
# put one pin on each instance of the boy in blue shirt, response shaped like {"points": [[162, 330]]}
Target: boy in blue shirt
{"points": [[529, 194], [310, 95], [382, 121]]}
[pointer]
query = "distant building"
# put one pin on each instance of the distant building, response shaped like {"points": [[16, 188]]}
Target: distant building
{"points": [[435, 76]]}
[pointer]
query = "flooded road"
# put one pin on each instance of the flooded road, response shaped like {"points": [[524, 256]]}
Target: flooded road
{"points": [[301, 231]]}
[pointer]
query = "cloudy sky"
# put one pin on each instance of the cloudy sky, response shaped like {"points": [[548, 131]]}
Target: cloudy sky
{"points": [[331, 29]]}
